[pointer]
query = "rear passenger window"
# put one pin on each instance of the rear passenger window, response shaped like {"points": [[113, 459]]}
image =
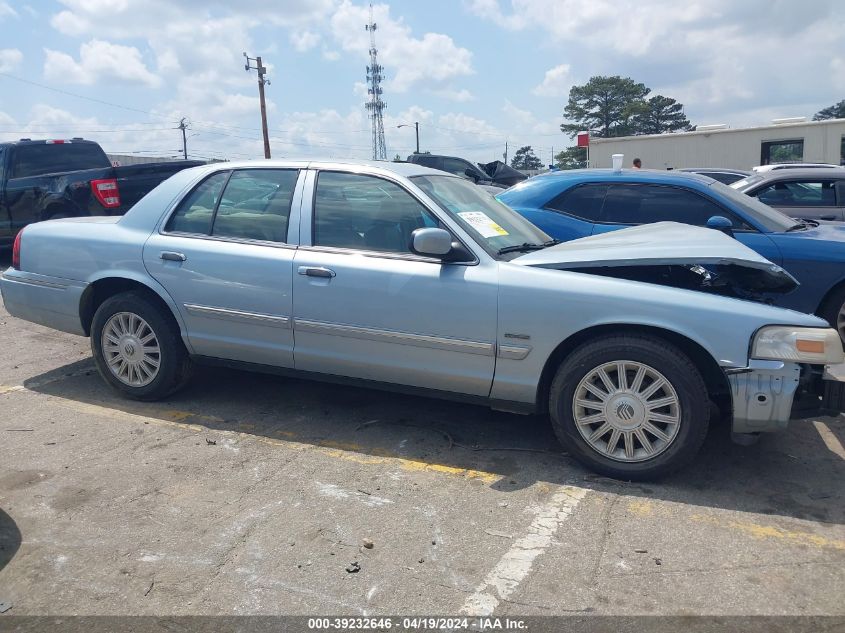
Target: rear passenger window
{"points": [[643, 204], [194, 213], [798, 194], [256, 205], [583, 202], [365, 213]]}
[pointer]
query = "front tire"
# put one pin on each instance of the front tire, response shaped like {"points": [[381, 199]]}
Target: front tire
{"points": [[137, 349], [631, 407], [833, 311]]}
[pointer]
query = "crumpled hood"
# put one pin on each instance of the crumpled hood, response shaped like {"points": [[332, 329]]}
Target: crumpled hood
{"points": [[661, 244]]}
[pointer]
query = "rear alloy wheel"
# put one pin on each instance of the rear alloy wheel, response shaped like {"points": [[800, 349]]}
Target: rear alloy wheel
{"points": [[631, 407], [137, 348], [131, 350]]}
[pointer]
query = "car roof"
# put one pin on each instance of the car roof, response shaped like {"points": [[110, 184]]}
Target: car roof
{"points": [[799, 173], [720, 170], [553, 182], [375, 166], [50, 141]]}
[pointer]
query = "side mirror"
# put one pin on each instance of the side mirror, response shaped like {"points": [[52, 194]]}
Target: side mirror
{"points": [[469, 173], [721, 223], [431, 242]]}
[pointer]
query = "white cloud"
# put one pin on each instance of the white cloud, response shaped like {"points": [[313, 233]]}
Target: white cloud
{"points": [[330, 56], [10, 59], [6, 10], [556, 82], [517, 115], [303, 41], [431, 60], [705, 53], [99, 61], [459, 96]]}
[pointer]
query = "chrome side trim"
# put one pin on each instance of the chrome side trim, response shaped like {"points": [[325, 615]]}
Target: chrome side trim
{"points": [[390, 336], [41, 283], [512, 352], [237, 315]]}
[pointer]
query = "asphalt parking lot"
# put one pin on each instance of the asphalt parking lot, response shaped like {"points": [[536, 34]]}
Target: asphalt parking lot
{"points": [[253, 494]]}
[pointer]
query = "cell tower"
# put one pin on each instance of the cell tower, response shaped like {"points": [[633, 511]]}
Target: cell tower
{"points": [[375, 106]]}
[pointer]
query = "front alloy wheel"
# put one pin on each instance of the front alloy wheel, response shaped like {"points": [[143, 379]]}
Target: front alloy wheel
{"points": [[627, 411], [630, 406]]}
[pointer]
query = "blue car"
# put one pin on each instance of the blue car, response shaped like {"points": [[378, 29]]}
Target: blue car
{"points": [[573, 204]]}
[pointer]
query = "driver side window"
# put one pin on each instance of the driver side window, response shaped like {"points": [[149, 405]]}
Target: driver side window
{"points": [[366, 213]]}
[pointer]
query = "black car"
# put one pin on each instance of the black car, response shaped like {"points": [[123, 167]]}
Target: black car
{"points": [[497, 173]]}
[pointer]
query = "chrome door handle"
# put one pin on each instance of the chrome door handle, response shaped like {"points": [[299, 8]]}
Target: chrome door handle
{"points": [[170, 256], [317, 271]]}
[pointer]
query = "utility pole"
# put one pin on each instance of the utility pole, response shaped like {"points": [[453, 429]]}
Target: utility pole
{"points": [[506, 153], [261, 81], [183, 126], [417, 129]]}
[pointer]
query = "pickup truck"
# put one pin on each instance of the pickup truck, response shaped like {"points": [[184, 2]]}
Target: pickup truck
{"points": [[47, 179]]}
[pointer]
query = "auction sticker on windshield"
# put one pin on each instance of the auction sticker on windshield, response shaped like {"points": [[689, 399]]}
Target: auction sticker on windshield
{"points": [[482, 223]]}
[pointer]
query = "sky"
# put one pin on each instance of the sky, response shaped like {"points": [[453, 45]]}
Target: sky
{"points": [[475, 74]]}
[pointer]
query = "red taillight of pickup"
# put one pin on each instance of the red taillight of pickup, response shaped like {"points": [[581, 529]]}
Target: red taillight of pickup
{"points": [[16, 251], [106, 192]]}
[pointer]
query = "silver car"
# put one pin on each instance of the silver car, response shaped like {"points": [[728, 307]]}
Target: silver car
{"points": [[399, 276], [815, 193]]}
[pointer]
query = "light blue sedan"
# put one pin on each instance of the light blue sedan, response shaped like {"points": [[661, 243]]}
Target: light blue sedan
{"points": [[398, 276]]}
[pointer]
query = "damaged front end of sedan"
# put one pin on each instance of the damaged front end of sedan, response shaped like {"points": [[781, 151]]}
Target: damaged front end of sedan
{"points": [[671, 254], [705, 260]]}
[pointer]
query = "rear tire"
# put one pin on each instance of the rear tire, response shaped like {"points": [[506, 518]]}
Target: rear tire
{"points": [[137, 349], [631, 407]]}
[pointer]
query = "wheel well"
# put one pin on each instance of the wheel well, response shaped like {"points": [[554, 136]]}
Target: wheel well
{"points": [[828, 295], [102, 289], [717, 384]]}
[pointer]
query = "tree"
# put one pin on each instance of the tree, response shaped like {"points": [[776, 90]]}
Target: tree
{"points": [[659, 115], [397, 159], [605, 105], [572, 158], [524, 158], [836, 111]]}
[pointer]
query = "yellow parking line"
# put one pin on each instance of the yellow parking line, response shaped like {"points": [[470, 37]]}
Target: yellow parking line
{"points": [[830, 440], [346, 451], [759, 531]]}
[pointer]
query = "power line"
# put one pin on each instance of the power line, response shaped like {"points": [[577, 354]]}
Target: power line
{"points": [[78, 96]]}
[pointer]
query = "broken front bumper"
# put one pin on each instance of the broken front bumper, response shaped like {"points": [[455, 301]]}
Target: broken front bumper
{"points": [[767, 394], [763, 394]]}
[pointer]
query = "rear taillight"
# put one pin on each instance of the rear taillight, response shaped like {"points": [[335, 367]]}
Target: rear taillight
{"points": [[16, 251], [106, 192]]}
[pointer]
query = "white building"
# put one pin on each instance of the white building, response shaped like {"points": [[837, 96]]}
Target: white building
{"points": [[786, 140]]}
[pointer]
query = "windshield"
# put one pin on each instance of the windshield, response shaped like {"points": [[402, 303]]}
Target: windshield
{"points": [[771, 220], [492, 224], [748, 180]]}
